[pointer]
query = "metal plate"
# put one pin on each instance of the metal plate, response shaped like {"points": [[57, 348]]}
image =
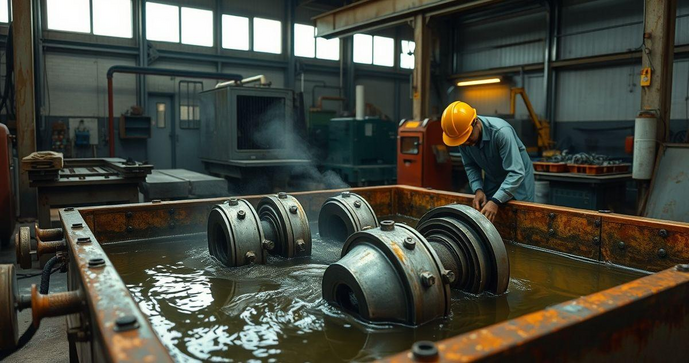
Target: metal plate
{"points": [[668, 196]]}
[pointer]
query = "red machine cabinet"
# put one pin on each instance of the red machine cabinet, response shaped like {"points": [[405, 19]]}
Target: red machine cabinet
{"points": [[422, 158]]}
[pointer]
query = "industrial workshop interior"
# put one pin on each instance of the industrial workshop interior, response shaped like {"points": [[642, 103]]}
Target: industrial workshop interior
{"points": [[342, 180]]}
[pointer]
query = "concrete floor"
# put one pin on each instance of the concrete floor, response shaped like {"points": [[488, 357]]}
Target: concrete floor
{"points": [[49, 344]]}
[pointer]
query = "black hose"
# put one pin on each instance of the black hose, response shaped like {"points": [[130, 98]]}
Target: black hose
{"points": [[28, 334], [45, 276]]}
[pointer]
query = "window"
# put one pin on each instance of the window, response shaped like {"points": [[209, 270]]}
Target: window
{"points": [[304, 41], [189, 110], [235, 32], [409, 145], [112, 18], [363, 48], [267, 36], [69, 15], [162, 22], [328, 48], [407, 54], [160, 115], [197, 27], [383, 51], [4, 11]]}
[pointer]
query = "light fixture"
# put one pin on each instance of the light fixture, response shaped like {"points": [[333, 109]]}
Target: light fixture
{"points": [[475, 82]]}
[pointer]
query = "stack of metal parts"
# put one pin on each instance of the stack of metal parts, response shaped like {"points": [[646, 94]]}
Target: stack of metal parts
{"points": [[452, 247], [583, 159], [239, 235]]}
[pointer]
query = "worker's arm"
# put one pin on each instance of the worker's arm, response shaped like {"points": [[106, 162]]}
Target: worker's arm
{"points": [[512, 162], [472, 169]]}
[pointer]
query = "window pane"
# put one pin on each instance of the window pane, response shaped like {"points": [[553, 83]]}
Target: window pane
{"points": [[160, 115], [183, 113], [69, 15], [383, 51], [304, 43], [407, 54], [328, 48], [363, 48], [4, 11], [235, 32], [267, 36], [197, 27], [162, 22], [409, 145], [112, 18]]}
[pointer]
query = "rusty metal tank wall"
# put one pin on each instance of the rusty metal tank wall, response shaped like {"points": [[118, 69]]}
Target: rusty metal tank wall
{"points": [[647, 316]]}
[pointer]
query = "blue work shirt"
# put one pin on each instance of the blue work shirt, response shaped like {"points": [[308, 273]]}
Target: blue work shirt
{"points": [[502, 156]]}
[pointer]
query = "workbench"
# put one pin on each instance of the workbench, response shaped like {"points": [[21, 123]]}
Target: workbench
{"points": [[584, 191]]}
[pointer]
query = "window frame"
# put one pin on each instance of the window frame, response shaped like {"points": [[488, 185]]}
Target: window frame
{"points": [[44, 21], [250, 33]]}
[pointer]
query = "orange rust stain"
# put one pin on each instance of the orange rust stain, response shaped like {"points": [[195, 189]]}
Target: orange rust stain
{"points": [[398, 251]]}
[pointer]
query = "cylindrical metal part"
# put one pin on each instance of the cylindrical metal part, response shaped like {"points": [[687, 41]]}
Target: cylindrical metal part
{"points": [[344, 214], [360, 103], [50, 247], [645, 129], [55, 304], [231, 237], [376, 266], [287, 223], [469, 246], [22, 245], [8, 312], [49, 234]]}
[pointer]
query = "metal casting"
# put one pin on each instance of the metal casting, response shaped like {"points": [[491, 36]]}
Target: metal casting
{"points": [[343, 214]]}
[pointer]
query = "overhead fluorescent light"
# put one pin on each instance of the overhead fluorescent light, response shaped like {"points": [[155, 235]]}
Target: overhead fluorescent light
{"points": [[475, 82]]}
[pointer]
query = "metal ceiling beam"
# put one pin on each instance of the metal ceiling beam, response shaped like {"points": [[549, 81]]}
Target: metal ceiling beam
{"points": [[367, 15]]}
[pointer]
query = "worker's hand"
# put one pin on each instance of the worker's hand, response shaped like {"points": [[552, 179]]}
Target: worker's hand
{"points": [[490, 210], [479, 200]]}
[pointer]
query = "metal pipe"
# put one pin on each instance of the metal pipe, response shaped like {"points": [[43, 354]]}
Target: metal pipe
{"points": [[56, 304], [48, 234], [155, 72]]}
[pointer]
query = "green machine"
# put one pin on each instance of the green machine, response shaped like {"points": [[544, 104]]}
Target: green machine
{"points": [[362, 152], [318, 132]]}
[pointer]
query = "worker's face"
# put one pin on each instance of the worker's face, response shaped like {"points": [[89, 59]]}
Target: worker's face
{"points": [[475, 134]]}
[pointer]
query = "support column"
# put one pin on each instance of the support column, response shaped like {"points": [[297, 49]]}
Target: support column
{"points": [[422, 67], [350, 85], [22, 27], [658, 55], [289, 44]]}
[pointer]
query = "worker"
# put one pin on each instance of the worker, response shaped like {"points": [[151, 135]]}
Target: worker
{"points": [[491, 145]]}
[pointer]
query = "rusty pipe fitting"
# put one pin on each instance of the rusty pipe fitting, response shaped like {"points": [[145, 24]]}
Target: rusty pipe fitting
{"points": [[55, 304], [49, 234]]}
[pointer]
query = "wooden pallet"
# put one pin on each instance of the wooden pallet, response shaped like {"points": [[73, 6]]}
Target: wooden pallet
{"points": [[550, 167], [598, 169]]}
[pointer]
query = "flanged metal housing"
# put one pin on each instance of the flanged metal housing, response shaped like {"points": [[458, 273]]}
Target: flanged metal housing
{"points": [[469, 246], [379, 280], [8, 315], [239, 235], [343, 214]]}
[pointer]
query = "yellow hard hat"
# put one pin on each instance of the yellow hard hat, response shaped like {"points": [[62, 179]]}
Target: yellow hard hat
{"points": [[456, 123]]}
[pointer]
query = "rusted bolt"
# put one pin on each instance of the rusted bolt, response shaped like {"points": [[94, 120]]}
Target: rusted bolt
{"points": [[357, 204], [96, 262], [387, 225], [301, 245], [241, 214], [81, 240], [130, 229], [409, 243], [621, 245], [268, 244], [156, 201], [597, 222], [282, 195], [596, 241], [346, 194], [250, 257], [448, 276], [662, 253], [662, 233], [293, 209], [125, 323], [233, 201], [427, 279], [69, 209], [171, 211], [424, 351], [77, 225], [682, 267], [551, 232], [129, 214], [551, 215]]}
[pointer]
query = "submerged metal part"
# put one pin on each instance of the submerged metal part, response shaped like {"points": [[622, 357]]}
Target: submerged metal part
{"points": [[379, 280], [470, 247], [343, 214], [239, 235], [235, 234], [285, 223]]}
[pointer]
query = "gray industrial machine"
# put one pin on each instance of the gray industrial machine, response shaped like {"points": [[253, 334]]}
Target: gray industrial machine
{"points": [[250, 133]]}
